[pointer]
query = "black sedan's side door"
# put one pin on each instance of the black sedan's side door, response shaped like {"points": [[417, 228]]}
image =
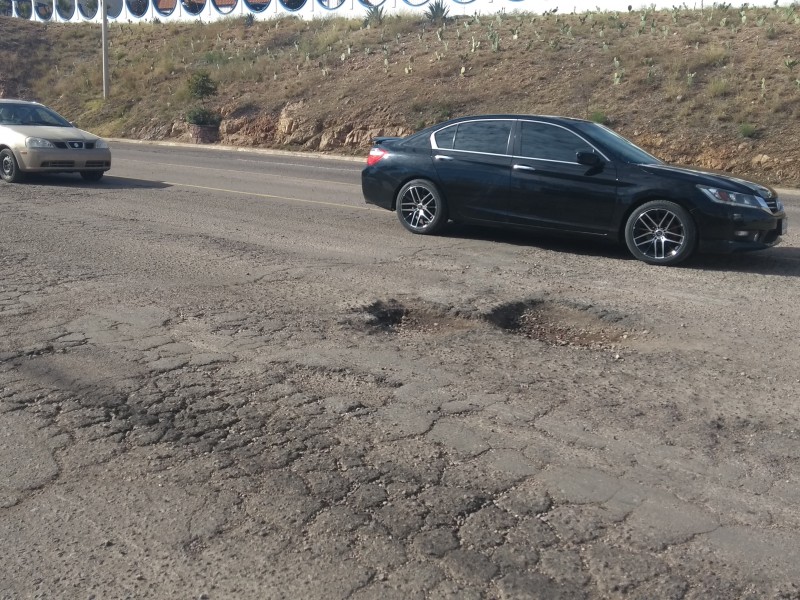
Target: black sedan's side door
{"points": [[551, 190], [473, 161]]}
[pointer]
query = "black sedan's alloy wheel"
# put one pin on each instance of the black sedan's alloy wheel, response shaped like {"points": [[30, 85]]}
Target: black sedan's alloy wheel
{"points": [[9, 169], [420, 207], [661, 233]]}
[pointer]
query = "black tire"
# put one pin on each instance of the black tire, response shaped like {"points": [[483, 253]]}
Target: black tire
{"points": [[661, 233], [92, 175], [9, 169], [420, 207]]}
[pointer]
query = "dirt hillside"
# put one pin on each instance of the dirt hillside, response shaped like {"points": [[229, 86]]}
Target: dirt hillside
{"points": [[717, 88]]}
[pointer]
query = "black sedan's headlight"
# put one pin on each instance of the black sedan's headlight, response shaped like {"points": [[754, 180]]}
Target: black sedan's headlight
{"points": [[734, 198]]}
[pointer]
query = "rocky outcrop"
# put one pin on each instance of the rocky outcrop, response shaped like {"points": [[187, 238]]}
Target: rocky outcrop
{"points": [[293, 128]]}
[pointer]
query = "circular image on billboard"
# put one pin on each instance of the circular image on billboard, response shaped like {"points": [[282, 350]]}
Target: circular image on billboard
{"points": [[24, 9], [65, 9], [330, 4], [114, 8], [256, 7], [137, 8], [293, 5], [193, 7], [165, 7], [88, 8], [44, 9], [224, 7]]}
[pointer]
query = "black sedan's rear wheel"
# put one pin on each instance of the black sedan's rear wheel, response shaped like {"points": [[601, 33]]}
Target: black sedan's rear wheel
{"points": [[661, 233], [9, 169], [420, 207]]}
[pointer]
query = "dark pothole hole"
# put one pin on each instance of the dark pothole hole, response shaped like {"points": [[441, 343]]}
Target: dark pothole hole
{"points": [[392, 316], [561, 323], [554, 323]]}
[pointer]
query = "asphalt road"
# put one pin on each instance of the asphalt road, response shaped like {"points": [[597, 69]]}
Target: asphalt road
{"points": [[223, 376]]}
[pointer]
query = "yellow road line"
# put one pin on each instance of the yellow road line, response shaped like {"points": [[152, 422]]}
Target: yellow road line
{"points": [[270, 196]]}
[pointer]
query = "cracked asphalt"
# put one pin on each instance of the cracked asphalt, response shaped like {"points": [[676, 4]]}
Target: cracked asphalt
{"points": [[239, 382]]}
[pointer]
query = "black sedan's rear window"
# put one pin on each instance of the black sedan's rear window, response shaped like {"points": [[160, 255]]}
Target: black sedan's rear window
{"points": [[488, 136]]}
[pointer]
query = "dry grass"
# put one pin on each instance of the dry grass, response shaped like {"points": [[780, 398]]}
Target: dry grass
{"points": [[666, 78]]}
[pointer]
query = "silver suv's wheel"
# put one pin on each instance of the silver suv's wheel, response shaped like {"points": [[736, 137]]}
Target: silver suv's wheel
{"points": [[9, 169], [420, 207], [661, 233]]}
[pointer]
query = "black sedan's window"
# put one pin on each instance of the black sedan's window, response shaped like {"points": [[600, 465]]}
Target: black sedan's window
{"points": [[444, 137], [483, 136], [541, 140]]}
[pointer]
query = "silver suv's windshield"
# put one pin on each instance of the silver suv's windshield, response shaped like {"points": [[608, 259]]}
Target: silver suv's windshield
{"points": [[622, 148], [30, 114]]}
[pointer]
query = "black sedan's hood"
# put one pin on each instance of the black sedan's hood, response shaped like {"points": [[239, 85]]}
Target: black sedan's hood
{"points": [[709, 178]]}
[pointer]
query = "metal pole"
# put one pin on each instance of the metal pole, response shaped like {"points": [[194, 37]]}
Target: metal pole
{"points": [[104, 35]]}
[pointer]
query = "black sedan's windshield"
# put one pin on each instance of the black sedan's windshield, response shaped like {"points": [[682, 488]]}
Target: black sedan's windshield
{"points": [[30, 114], [616, 144]]}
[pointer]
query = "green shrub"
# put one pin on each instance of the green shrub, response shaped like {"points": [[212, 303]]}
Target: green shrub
{"points": [[719, 87], [747, 130], [201, 85], [202, 116], [374, 16], [598, 116], [437, 12]]}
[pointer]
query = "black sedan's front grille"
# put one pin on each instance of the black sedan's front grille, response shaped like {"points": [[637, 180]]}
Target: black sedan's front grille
{"points": [[772, 203]]}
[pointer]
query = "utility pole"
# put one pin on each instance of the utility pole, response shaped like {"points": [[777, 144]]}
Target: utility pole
{"points": [[104, 35]]}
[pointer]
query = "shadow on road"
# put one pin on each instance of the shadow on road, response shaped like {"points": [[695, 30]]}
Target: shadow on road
{"points": [[543, 241], [108, 182], [781, 260]]}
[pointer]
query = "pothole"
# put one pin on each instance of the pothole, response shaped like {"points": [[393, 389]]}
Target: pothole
{"points": [[562, 324], [554, 323], [393, 316]]}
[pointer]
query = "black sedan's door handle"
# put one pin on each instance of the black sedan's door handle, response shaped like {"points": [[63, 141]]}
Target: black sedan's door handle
{"points": [[523, 168], [442, 157]]}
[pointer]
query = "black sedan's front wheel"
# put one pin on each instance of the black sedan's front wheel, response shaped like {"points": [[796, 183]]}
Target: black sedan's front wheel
{"points": [[420, 207], [661, 233], [9, 169]]}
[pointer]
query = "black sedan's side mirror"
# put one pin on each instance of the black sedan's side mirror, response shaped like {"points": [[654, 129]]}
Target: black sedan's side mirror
{"points": [[590, 159]]}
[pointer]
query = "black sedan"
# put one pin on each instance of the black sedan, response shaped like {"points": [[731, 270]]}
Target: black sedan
{"points": [[571, 176]]}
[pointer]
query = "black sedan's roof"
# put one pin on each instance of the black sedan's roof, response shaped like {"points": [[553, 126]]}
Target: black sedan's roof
{"points": [[545, 118], [552, 118]]}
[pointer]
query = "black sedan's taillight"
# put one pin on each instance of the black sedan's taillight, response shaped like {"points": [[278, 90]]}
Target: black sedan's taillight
{"points": [[375, 154]]}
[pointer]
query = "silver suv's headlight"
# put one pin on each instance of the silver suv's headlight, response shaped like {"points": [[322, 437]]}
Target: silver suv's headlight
{"points": [[34, 142], [734, 198], [101, 144]]}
